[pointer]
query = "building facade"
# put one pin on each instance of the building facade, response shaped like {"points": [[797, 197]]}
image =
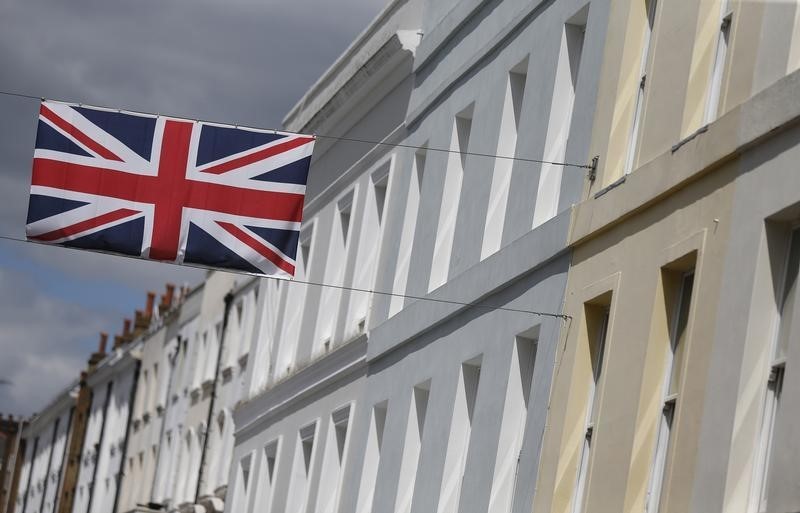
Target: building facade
{"points": [[672, 392], [432, 396]]}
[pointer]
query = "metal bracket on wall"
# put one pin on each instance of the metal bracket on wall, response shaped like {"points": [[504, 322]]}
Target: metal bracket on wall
{"points": [[593, 168]]}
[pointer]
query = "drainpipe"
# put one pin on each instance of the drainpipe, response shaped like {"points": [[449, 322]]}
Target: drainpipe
{"points": [[228, 301], [124, 453], [167, 401], [99, 445]]}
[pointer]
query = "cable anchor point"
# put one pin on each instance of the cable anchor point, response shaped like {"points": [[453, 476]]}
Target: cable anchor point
{"points": [[593, 168]]}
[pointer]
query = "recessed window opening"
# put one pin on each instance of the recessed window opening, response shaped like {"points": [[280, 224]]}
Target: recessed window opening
{"points": [[451, 195], [336, 262], [777, 369], [512, 427], [561, 110], [649, 23], [506, 147], [596, 318], [372, 457], [265, 493], [460, 433], [289, 334], [409, 229], [302, 469], [333, 461], [678, 287], [412, 446], [720, 58], [344, 207], [369, 247]]}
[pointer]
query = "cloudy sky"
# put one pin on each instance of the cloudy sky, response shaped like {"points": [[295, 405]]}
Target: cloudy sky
{"points": [[235, 61]]}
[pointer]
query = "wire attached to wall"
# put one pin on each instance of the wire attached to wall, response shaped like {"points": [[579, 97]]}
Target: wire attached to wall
{"points": [[318, 284], [591, 166]]}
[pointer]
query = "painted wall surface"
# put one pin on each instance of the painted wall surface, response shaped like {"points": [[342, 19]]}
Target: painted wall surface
{"points": [[746, 329]]}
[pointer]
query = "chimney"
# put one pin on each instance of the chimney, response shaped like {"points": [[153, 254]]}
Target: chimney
{"points": [[169, 296], [151, 298], [126, 335], [101, 351], [101, 348]]}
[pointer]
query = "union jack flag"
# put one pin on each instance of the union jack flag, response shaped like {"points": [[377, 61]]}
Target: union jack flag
{"points": [[168, 189]]}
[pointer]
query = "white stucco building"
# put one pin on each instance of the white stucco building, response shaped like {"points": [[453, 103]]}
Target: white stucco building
{"points": [[47, 434], [431, 396], [113, 390]]}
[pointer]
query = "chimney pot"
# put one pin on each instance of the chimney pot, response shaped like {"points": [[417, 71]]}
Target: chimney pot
{"points": [[169, 295], [101, 348], [126, 327], [151, 298]]}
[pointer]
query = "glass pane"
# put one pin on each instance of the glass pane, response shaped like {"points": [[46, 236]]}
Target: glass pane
{"points": [[679, 335]]}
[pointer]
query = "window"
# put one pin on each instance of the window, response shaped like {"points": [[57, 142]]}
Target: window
{"points": [[334, 271], [372, 458], [371, 236], [720, 56], [774, 385], [412, 446], [596, 318], [409, 228], [242, 484], [295, 300], [558, 128], [460, 432], [267, 477], [451, 195], [512, 427], [333, 461], [506, 147], [650, 13], [302, 469], [678, 295]]}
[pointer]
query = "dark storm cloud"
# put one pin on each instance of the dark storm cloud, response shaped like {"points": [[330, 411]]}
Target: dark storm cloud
{"points": [[237, 61]]}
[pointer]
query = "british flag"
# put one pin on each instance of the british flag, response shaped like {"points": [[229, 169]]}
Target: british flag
{"points": [[168, 189]]}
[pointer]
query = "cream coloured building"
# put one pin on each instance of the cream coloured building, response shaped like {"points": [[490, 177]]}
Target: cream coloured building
{"points": [[672, 391]]}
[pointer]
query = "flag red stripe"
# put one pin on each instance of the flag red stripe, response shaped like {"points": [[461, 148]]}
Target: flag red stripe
{"points": [[77, 134], [281, 206], [260, 248], [259, 155], [110, 217]]}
